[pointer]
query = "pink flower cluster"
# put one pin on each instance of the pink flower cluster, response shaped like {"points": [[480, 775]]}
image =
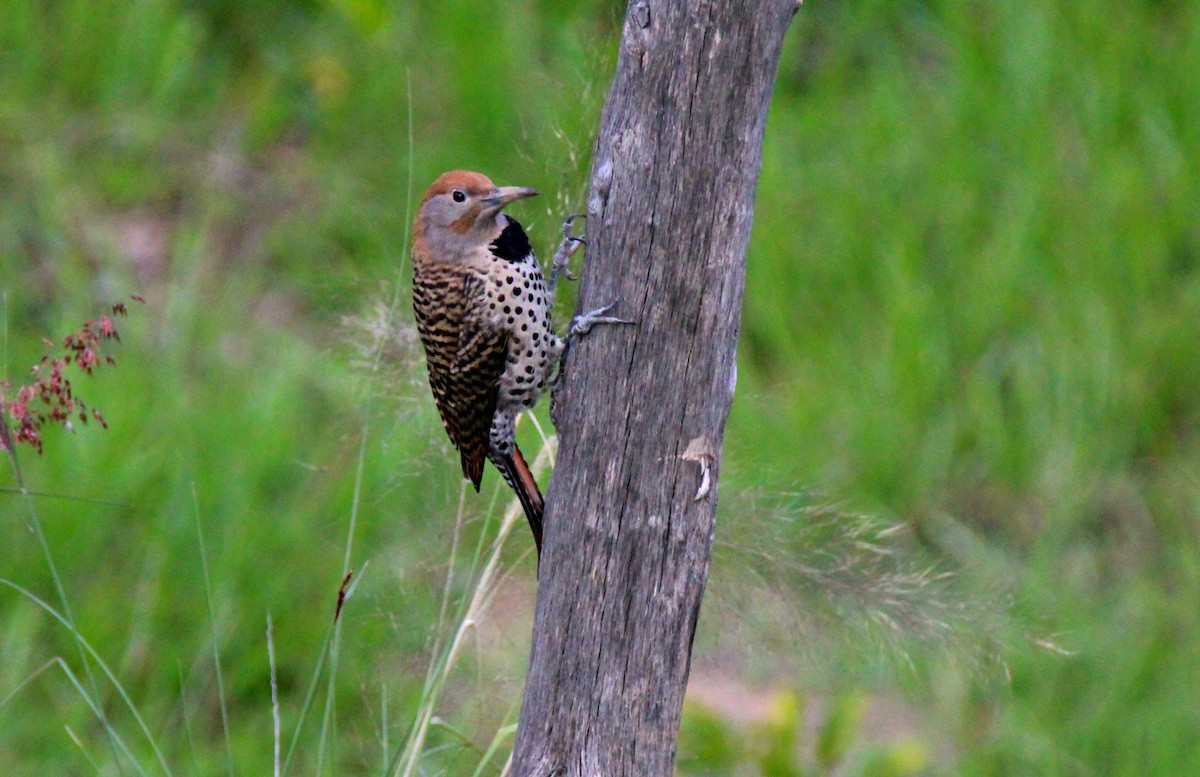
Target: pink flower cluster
{"points": [[50, 398]]}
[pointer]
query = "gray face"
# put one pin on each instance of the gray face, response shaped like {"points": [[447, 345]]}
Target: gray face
{"points": [[456, 210]]}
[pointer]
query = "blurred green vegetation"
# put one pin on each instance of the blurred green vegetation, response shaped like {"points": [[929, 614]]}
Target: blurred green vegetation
{"points": [[973, 310]]}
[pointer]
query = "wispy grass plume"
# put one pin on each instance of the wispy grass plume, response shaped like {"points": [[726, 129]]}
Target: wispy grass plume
{"points": [[852, 584]]}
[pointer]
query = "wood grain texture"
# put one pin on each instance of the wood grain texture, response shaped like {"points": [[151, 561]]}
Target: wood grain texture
{"points": [[643, 408]]}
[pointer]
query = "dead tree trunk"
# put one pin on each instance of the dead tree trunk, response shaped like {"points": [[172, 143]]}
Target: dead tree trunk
{"points": [[629, 519]]}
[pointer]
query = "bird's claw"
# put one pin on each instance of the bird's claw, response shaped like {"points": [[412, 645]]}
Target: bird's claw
{"points": [[559, 267], [583, 323], [567, 227], [580, 326]]}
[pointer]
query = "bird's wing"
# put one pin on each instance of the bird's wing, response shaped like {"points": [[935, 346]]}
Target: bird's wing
{"points": [[465, 354], [475, 378], [466, 359]]}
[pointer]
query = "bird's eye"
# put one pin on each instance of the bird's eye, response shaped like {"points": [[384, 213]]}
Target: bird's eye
{"points": [[458, 196]]}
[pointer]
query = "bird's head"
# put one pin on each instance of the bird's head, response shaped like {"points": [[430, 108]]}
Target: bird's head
{"points": [[465, 203]]}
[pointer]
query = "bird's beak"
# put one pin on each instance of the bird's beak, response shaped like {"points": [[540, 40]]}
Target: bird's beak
{"points": [[504, 195]]}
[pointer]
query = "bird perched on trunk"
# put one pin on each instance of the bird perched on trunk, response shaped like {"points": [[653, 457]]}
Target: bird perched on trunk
{"points": [[483, 312]]}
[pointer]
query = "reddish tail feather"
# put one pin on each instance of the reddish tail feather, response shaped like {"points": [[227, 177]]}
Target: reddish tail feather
{"points": [[518, 475]]}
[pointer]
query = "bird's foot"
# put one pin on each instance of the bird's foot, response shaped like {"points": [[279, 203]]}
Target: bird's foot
{"points": [[580, 326], [566, 249], [583, 323]]}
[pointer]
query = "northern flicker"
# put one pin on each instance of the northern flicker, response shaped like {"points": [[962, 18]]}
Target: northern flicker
{"points": [[483, 313]]}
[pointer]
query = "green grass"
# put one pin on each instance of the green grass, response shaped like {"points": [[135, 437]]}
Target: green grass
{"points": [[971, 310]]}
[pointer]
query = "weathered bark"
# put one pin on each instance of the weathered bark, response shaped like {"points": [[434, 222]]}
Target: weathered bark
{"points": [[642, 412]]}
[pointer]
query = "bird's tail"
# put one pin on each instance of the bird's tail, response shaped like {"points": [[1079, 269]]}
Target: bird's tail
{"points": [[517, 474]]}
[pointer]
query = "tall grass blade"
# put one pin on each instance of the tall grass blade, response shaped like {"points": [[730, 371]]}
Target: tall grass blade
{"points": [[329, 722], [309, 697], [212, 623], [89, 699], [406, 761], [83, 750], [504, 734], [274, 695], [35, 674], [60, 590], [187, 719]]}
